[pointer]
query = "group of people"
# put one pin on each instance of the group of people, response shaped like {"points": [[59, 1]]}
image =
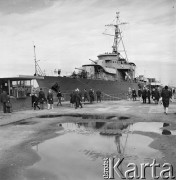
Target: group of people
{"points": [[144, 95], [76, 97], [38, 100]]}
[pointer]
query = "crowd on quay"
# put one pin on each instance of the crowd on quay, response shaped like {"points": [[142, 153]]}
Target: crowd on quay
{"points": [[39, 99], [78, 97], [155, 96]]}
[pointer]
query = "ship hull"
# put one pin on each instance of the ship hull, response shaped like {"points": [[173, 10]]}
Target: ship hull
{"points": [[108, 88]]}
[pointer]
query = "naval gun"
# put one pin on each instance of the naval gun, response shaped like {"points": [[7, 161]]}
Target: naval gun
{"points": [[93, 61], [80, 69]]}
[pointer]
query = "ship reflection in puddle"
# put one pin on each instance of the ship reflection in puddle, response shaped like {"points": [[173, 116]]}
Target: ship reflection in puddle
{"points": [[78, 152]]}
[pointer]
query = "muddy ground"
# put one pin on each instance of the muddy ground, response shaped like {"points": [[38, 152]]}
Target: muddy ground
{"points": [[20, 131]]}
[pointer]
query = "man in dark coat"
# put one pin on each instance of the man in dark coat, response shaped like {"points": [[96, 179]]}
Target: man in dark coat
{"points": [[148, 95], [85, 95], [8, 104], [72, 98], [36, 101], [144, 94], [98, 93], [134, 94], [91, 95], [4, 99], [156, 95], [77, 99], [41, 98], [166, 96]]}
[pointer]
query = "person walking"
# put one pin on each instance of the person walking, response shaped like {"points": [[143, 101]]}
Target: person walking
{"points": [[72, 98], [86, 95], [129, 94], [153, 94], [144, 95], [134, 94], [173, 93], [77, 97], [4, 99], [148, 95], [41, 98], [8, 104], [98, 93], [59, 95], [50, 99], [36, 102], [91, 95], [156, 95], [80, 95], [139, 94], [166, 97], [32, 97]]}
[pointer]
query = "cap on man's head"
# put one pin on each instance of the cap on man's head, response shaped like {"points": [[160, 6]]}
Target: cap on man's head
{"points": [[166, 87]]}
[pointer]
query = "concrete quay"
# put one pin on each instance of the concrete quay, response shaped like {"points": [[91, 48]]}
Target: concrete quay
{"points": [[135, 109], [21, 130]]}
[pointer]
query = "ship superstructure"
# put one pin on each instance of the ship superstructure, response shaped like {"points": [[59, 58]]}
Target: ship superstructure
{"points": [[111, 66]]}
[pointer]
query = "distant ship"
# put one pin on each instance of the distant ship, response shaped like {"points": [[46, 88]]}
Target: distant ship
{"points": [[111, 73]]}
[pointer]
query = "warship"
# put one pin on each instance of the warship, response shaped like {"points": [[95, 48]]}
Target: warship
{"points": [[111, 73]]}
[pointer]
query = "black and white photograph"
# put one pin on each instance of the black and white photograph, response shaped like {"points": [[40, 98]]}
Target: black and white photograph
{"points": [[87, 89]]}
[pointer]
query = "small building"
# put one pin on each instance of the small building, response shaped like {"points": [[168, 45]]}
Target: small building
{"points": [[19, 89]]}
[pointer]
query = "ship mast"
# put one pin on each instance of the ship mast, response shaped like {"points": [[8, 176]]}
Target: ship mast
{"points": [[38, 71], [117, 36]]}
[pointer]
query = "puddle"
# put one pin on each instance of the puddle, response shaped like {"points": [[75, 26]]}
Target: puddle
{"points": [[24, 123], [78, 152], [21, 122], [156, 127], [123, 118], [84, 116]]}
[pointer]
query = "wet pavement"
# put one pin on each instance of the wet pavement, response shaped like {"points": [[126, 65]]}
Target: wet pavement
{"points": [[65, 143], [78, 152]]}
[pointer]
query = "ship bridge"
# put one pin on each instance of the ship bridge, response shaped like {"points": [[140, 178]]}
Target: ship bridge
{"points": [[99, 68], [112, 56]]}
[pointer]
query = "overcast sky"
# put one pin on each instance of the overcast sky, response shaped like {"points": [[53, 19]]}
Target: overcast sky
{"points": [[67, 33]]}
